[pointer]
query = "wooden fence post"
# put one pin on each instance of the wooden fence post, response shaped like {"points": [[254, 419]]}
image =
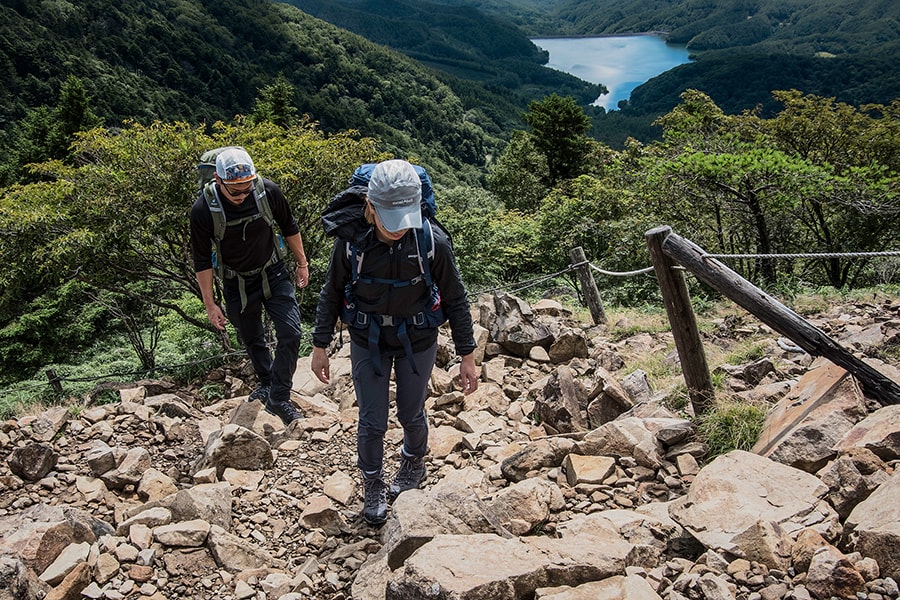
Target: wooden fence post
{"points": [[776, 315], [54, 381], [588, 285], [683, 323]]}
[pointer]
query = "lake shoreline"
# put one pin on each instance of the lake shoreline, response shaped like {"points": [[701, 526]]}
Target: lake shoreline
{"points": [[662, 34], [617, 62]]}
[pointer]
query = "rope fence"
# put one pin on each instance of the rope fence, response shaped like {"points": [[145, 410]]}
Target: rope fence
{"points": [[815, 255], [512, 287], [623, 273]]}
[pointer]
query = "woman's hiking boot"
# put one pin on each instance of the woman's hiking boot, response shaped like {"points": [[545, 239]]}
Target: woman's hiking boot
{"points": [[375, 499], [411, 474], [285, 410]]}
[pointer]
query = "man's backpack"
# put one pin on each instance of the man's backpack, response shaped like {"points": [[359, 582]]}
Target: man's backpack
{"points": [[206, 169]]}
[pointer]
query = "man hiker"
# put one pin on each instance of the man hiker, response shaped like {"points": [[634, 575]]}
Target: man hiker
{"points": [[249, 257]]}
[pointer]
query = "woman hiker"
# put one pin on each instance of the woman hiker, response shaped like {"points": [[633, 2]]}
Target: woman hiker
{"points": [[392, 278]]}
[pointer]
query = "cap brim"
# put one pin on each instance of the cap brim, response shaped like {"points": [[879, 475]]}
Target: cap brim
{"points": [[239, 180], [400, 218]]}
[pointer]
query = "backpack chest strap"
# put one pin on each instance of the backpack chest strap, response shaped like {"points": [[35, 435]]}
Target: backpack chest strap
{"points": [[392, 282]]}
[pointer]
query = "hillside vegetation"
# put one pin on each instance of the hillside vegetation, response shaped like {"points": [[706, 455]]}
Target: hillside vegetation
{"points": [[485, 58], [743, 51], [789, 26], [203, 62], [474, 69]]}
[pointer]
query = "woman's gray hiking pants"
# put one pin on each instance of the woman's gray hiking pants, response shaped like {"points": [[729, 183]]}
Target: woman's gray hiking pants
{"points": [[372, 396]]}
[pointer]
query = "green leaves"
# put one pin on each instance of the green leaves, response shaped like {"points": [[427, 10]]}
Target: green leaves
{"points": [[120, 216], [558, 130], [818, 177]]}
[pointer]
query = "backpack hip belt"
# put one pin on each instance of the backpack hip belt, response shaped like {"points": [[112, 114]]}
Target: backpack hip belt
{"points": [[374, 322], [241, 276], [431, 317], [417, 320]]}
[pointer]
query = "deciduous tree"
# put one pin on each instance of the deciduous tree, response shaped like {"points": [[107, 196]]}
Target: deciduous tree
{"points": [[120, 216]]}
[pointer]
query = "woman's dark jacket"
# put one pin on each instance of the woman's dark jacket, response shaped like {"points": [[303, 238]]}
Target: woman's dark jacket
{"points": [[344, 219]]}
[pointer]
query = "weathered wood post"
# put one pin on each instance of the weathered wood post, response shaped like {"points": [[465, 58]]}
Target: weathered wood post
{"points": [[54, 381], [588, 285], [683, 323], [776, 315]]}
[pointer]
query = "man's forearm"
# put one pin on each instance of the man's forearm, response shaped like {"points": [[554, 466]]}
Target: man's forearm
{"points": [[205, 280], [295, 243]]}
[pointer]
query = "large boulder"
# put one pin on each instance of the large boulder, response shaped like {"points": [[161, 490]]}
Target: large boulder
{"points": [[734, 494], [873, 527], [803, 428], [516, 329]]}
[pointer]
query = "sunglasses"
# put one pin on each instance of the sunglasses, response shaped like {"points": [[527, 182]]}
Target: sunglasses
{"points": [[240, 188]]}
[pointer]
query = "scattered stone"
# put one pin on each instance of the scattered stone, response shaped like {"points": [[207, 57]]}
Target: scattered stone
{"points": [[557, 480]]}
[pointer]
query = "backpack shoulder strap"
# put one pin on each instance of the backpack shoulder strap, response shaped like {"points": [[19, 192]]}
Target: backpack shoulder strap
{"points": [[265, 211], [215, 209], [424, 254], [262, 201], [425, 246], [355, 258]]}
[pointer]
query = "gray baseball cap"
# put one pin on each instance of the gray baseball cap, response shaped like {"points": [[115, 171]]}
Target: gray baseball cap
{"points": [[234, 165], [396, 191]]}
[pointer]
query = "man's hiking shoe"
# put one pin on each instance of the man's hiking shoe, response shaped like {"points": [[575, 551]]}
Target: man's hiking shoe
{"points": [[286, 411], [375, 502], [261, 393], [411, 474]]}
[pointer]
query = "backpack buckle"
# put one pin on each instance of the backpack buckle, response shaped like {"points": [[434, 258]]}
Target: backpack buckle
{"points": [[419, 319], [388, 321]]}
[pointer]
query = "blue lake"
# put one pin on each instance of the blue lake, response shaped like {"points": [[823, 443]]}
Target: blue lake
{"points": [[621, 63]]}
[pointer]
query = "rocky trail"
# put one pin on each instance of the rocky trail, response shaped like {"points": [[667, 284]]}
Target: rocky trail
{"points": [[566, 476]]}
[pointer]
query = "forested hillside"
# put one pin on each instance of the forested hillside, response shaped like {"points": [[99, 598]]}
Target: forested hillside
{"points": [[743, 51], [746, 50], [535, 17], [795, 26], [202, 62], [743, 79], [485, 58], [791, 26]]}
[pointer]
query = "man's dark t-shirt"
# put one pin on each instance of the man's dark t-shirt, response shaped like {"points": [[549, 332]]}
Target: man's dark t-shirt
{"points": [[245, 247]]}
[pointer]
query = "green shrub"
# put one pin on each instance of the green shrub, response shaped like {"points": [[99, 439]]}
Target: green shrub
{"points": [[746, 354], [212, 392], [678, 399]]}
